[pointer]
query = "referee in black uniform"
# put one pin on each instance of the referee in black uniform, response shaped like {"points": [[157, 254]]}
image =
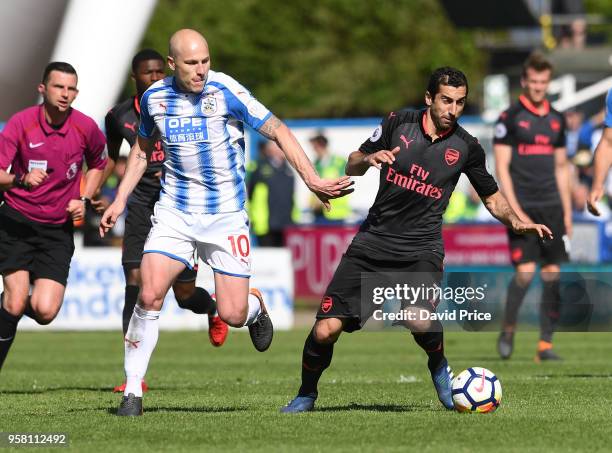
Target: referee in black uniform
{"points": [[532, 168], [420, 155]]}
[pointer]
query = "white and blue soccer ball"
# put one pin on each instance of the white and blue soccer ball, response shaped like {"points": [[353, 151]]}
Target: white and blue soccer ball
{"points": [[476, 390]]}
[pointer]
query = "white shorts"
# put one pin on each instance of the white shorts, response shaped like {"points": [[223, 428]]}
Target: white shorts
{"points": [[221, 240]]}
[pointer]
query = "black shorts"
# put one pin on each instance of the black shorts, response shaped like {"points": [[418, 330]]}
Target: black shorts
{"points": [[44, 250], [137, 226], [529, 248], [343, 297]]}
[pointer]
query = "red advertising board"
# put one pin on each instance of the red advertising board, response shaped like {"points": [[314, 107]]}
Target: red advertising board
{"points": [[477, 244], [316, 251]]}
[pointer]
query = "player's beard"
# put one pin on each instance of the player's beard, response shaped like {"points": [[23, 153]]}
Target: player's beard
{"points": [[439, 123]]}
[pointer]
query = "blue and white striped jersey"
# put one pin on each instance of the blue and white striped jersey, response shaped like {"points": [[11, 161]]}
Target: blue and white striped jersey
{"points": [[203, 136]]}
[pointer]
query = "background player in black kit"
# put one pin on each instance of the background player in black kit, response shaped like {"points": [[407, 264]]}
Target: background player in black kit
{"points": [[122, 124], [420, 155], [532, 168]]}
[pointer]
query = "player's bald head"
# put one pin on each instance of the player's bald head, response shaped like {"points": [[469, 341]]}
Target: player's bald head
{"points": [[184, 41], [189, 59]]}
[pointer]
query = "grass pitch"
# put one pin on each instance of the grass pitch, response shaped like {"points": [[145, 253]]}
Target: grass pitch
{"points": [[376, 396]]}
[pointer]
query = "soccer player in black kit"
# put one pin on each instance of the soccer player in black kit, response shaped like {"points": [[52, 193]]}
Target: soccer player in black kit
{"points": [[420, 155], [122, 124], [532, 168]]}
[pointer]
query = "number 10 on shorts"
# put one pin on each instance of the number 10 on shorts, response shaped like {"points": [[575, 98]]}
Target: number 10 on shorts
{"points": [[240, 244]]}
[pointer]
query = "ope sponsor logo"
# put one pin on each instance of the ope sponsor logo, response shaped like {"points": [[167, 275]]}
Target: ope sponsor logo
{"points": [[185, 130]]}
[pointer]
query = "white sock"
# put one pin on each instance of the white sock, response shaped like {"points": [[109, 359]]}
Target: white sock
{"points": [[254, 309], [140, 342]]}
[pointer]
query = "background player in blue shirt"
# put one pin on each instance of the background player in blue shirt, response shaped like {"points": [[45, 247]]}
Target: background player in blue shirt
{"points": [[603, 159]]}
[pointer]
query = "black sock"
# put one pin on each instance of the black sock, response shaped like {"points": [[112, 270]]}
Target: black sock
{"points": [[8, 329], [549, 309], [200, 302], [316, 357], [131, 297], [516, 294], [433, 344]]}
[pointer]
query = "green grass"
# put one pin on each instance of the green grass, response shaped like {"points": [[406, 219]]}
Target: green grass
{"points": [[376, 396]]}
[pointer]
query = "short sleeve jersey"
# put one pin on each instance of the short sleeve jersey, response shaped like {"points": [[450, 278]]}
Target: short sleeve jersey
{"points": [[121, 123], [30, 142], [533, 137], [406, 217], [203, 136]]}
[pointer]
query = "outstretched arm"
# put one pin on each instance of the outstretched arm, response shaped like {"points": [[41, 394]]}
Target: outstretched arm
{"points": [[324, 189], [500, 209], [359, 162]]}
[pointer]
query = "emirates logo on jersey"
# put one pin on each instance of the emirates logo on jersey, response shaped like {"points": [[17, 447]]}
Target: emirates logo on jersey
{"points": [[451, 156]]}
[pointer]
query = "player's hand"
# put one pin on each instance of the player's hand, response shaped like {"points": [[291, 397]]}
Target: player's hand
{"points": [[533, 228], [100, 205], [109, 218], [76, 208], [35, 178], [326, 189], [594, 197], [381, 157]]}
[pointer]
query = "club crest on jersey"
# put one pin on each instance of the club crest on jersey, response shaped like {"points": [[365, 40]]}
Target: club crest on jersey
{"points": [[555, 125], [326, 304], [451, 156], [72, 171], [209, 105]]}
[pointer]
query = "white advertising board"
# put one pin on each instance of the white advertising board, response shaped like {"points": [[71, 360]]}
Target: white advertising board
{"points": [[95, 291]]}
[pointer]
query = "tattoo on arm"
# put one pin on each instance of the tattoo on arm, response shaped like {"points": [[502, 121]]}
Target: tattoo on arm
{"points": [[141, 155], [269, 127]]}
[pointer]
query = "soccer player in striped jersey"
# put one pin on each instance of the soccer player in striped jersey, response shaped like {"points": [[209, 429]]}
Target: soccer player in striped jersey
{"points": [[199, 114], [121, 124]]}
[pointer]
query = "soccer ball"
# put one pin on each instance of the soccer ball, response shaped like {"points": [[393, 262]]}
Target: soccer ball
{"points": [[476, 390]]}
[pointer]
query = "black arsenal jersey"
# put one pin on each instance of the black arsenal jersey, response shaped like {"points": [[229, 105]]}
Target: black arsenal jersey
{"points": [[533, 138], [406, 217], [122, 123]]}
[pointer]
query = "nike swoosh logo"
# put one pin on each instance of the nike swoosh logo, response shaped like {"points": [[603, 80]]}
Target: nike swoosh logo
{"points": [[36, 145], [7, 339]]}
